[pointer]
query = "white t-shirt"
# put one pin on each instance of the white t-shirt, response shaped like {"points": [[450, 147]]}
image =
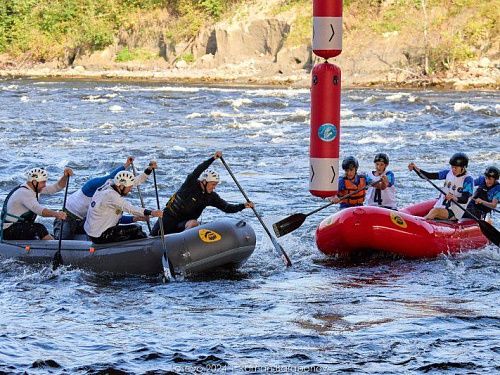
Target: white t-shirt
{"points": [[453, 185], [379, 197], [106, 209], [23, 200]]}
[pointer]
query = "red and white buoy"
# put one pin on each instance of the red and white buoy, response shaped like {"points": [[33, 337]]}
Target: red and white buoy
{"points": [[325, 130], [325, 99], [327, 28]]}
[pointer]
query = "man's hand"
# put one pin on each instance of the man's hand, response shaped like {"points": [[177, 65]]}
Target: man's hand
{"points": [[249, 205], [68, 172], [153, 164], [412, 166], [217, 154], [61, 215], [129, 162], [157, 213], [334, 199], [450, 197]]}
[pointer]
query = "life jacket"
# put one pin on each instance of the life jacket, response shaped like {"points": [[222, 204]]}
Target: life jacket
{"points": [[175, 205], [482, 192], [350, 187], [29, 216]]}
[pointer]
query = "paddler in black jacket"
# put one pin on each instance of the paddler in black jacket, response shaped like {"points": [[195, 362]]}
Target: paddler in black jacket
{"points": [[196, 193]]}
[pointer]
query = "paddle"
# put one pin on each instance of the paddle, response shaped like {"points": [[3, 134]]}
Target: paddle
{"points": [[489, 231], [57, 260], [140, 196], [277, 246], [292, 222], [167, 273]]}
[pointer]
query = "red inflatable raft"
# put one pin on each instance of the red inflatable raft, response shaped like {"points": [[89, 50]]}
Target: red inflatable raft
{"points": [[359, 230]]}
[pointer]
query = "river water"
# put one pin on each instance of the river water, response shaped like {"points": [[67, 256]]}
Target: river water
{"points": [[386, 316]]}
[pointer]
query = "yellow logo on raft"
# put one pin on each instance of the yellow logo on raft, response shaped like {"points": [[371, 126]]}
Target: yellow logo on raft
{"points": [[207, 235], [398, 220]]}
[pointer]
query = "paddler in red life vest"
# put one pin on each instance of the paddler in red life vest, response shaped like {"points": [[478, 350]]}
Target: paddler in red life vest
{"points": [[350, 182], [383, 192], [458, 186]]}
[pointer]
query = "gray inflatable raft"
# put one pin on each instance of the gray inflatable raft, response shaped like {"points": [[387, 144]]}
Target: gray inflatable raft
{"points": [[220, 244]]}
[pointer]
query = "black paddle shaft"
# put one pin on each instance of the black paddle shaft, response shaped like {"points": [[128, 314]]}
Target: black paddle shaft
{"points": [[286, 259], [140, 197], [167, 271], [292, 222], [57, 261], [489, 231]]}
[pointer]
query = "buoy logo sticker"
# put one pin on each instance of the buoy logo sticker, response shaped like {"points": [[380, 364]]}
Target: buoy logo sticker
{"points": [[398, 220], [327, 132], [209, 236]]}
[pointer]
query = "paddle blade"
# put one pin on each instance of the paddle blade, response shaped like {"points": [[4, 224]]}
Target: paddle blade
{"points": [[288, 224], [284, 255], [490, 232], [57, 261], [167, 271]]}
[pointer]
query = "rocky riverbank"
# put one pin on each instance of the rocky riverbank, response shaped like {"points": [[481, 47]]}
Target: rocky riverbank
{"points": [[481, 75]]}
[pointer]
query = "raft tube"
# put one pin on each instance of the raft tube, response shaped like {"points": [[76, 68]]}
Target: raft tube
{"points": [[225, 243], [359, 230]]}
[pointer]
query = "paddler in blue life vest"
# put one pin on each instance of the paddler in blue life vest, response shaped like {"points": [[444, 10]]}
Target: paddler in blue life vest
{"points": [[383, 192], [21, 206], [195, 194], [350, 182], [458, 186], [487, 194]]}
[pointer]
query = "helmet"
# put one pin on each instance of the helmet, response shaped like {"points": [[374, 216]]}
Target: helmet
{"points": [[459, 159], [37, 174], [492, 171], [124, 178], [349, 162], [381, 157], [210, 176]]}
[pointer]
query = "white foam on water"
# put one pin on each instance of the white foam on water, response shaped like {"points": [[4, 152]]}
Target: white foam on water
{"points": [[218, 114], [284, 93], [464, 107], [148, 89], [194, 115], [447, 135], [95, 99], [236, 103], [106, 125], [401, 96], [116, 108], [179, 148], [356, 121], [10, 88], [248, 125], [25, 98], [346, 113], [74, 130], [379, 139], [370, 99]]}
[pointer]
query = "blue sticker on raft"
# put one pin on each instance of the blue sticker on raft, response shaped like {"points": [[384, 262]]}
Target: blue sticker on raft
{"points": [[327, 132]]}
